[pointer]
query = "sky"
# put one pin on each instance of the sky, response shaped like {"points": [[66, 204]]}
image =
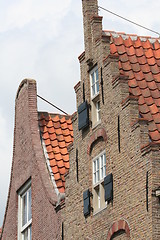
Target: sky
{"points": [[42, 40]]}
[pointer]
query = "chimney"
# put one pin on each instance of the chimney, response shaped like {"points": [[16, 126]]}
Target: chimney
{"points": [[92, 25]]}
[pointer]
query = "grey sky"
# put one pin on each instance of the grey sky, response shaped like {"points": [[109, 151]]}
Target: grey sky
{"points": [[42, 40]]}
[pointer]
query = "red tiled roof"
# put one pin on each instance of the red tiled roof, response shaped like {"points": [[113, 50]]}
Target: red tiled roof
{"points": [[57, 133], [139, 59]]}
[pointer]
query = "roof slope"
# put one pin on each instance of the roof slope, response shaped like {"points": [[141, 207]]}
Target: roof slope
{"points": [[57, 133], [139, 59]]}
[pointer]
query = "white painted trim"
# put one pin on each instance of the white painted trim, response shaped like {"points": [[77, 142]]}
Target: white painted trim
{"points": [[21, 192], [49, 168], [90, 74]]}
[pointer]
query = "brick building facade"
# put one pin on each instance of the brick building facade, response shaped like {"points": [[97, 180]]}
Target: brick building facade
{"points": [[123, 123], [105, 184]]}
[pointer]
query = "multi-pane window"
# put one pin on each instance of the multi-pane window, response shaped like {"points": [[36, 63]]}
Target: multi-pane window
{"points": [[94, 82], [95, 103], [99, 173], [99, 168], [25, 215]]}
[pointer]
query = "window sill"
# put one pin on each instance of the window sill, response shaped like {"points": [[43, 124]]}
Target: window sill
{"points": [[95, 97], [96, 124], [99, 210]]}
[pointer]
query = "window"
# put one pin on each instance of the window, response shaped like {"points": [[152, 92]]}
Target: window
{"points": [[94, 82], [25, 213], [95, 103], [99, 173], [98, 111]]}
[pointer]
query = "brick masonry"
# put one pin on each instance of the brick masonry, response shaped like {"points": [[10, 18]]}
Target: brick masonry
{"points": [[29, 162], [127, 216]]}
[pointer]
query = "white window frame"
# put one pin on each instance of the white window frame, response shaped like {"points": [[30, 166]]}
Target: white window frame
{"points": [[95, 84], [98, 110], [24, 191], [98, 174], [95, 99]]}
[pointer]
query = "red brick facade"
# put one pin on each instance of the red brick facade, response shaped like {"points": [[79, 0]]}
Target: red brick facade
{"points": [[29, 162]]}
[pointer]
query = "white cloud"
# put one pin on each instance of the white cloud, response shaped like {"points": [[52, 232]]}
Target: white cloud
{"points": [[20, 13]]}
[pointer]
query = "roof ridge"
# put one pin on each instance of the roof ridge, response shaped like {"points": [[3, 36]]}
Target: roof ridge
{"points": [[127, 35]]}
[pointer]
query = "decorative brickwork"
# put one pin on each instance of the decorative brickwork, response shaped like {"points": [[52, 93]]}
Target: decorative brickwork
{"points": [[117, 226], [99, 133]]}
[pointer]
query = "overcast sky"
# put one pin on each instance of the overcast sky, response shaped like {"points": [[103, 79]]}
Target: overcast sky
{"points": [[42, 40]]}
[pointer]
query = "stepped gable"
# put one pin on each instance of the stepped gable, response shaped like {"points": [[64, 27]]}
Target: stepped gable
{"points": [[139, 59], [57, 134]]}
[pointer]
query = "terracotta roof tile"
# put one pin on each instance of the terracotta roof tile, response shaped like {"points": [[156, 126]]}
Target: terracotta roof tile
{"points": [[148, 76], [46, 135], [124, 58], [136, 67], [146, 44], [49, 148], [152, 85], [113, 48], [154, 135], [153, 109], [154, 69], [155, 93], [133, 83], [157, 53], [139, 52], [62, 144], [128, 42], [156, 118], [152, 126], [132, 59], [139, 59], [121, 49], [142, 60], [149, 53], [54, 141], [142, 84], [141, 100], [145, 68], [156, 45], [139, 76], [157, 102], [57, 133], [157, 77], [130, 51], [151, 61], [51, 130], [126, 66], [149, 100]]}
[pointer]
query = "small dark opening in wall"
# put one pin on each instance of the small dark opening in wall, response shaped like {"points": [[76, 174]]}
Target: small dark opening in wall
{"points": [[120, 233], [102, 86], [77, 164], [147, 191], [119, 137], [83, 93], [62, 231]]}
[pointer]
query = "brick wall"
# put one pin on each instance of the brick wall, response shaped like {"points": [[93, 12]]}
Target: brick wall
{"points": [[129, 166], [29, 161]]}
